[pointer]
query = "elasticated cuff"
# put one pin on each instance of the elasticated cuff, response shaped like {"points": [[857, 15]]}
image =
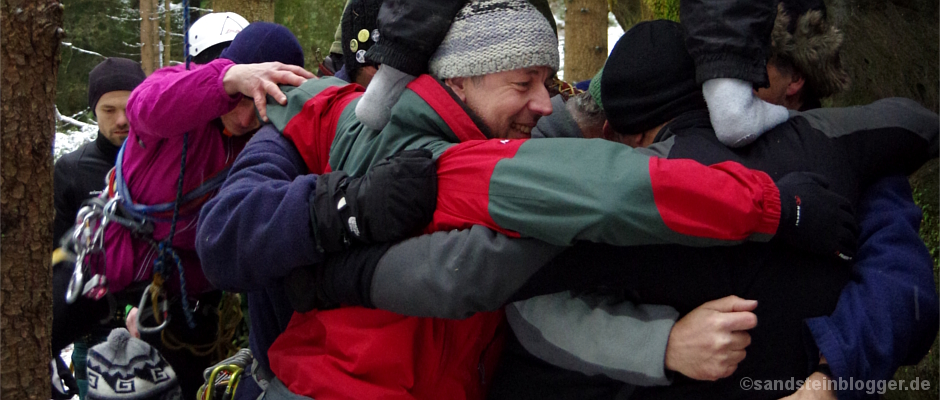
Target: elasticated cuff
{"points": [[711, 66], [770, 220]]}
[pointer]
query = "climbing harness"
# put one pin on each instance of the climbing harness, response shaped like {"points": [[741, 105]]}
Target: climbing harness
{"points": [[118, 206], [87, 240]]}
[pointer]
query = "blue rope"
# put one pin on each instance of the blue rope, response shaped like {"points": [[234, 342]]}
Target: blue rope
{"points": [[186, 33], [166, 246], [148, 212]]}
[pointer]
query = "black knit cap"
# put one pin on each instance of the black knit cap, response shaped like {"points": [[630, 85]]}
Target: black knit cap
{"points": [[111, 75], [649, 78], [263, 42], [360, 32]]}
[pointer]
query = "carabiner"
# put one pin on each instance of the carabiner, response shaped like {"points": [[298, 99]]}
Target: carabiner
{"points": [[234, 371], [142, 309], [76, 284]]}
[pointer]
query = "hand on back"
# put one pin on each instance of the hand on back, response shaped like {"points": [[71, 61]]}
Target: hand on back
{"points": [[709, 342]]}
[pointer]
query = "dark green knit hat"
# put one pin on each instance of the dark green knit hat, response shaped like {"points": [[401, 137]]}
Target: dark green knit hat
{"points": [[594, 88]]}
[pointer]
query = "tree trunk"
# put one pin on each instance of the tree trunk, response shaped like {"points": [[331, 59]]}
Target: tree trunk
{"points": [[29, 58], [168, 18], [585, 38], [252, 10], [149, 36], [314, 26], [628, 12]]}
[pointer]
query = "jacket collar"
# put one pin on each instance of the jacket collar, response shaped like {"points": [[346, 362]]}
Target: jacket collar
{"points": [[108, 149], [691, 119]]}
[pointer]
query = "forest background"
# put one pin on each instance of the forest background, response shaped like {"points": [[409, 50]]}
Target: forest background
{"points": [[891, 49]]}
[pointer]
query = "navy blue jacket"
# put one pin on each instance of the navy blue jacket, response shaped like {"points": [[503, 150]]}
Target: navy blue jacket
{"points": [[875, 328], [256, 230]]}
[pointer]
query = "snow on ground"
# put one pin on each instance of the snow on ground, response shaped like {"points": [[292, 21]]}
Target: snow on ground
{"points": [[66, 142], [67, 357]]}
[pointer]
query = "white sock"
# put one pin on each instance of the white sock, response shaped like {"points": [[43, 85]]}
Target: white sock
{"points": [[737, 114], [375, 106]]}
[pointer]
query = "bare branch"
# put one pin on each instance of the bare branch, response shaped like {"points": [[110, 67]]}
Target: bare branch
{"points": [[81, 50], [123, 19], [70, 120]]}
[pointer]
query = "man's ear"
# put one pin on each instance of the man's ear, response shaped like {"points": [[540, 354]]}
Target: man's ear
{"points": [[458, 85], [796, 84]]}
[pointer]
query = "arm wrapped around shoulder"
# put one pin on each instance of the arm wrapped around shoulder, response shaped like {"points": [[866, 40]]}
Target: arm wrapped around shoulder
{"points": [[392, 201], [814, 218]]}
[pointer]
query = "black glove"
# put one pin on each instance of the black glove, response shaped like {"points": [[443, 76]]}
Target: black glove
{"points": [[344, 278], [814, 218], [393, 200]]}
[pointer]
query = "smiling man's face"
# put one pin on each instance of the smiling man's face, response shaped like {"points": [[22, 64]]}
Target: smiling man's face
{"points": [[509, 102]]}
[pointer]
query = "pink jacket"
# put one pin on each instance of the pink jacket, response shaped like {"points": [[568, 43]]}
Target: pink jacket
{"points": [[168, 104]]}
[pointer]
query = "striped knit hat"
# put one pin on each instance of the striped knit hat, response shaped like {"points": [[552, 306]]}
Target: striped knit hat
{"points": [[125, 367], [490, 36]]}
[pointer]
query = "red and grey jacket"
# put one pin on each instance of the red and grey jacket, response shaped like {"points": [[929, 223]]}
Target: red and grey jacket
{"points": [[558, 191]]}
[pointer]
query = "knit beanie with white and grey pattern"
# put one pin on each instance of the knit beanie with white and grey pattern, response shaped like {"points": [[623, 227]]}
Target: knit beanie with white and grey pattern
{"points": [[489, 36], [125, 367]]}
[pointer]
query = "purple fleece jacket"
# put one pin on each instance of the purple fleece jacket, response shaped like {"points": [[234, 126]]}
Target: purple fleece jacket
{"points": [[168, 104], [262, 206], [888, 313]]}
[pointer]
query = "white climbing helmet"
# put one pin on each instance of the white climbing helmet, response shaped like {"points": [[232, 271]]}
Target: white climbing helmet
{"points": [[213, 29]]}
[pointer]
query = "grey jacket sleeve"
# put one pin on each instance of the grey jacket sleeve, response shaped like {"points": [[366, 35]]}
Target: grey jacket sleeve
{"points": [[888, 137], [593, 335], [455, 274], [894, 115]]}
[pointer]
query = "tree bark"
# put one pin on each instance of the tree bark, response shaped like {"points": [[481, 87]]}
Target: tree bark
{"points": [[29, 58], [628, 12], [585, 38], [252, 10], [149, 36]]}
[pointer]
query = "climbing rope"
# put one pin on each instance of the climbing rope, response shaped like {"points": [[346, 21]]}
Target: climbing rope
{"points": [[230, 315], [165, 249]]}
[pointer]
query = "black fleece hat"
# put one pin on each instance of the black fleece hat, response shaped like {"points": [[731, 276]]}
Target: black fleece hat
{"points": [[360, 32], [262, 42], [111, 75], [649, 78]]}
